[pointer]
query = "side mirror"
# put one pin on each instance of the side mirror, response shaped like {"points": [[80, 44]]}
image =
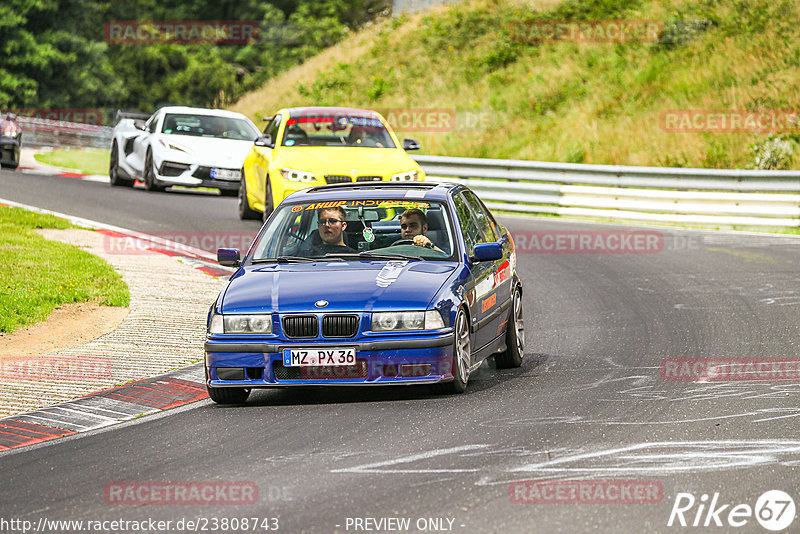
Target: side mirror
{"points": [[139, 124], [228, 257], [410, 144], [265, 140], [487, 252]]}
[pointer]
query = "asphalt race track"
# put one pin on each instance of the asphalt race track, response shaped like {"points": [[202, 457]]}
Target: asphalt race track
{"points": [[589, 405]]}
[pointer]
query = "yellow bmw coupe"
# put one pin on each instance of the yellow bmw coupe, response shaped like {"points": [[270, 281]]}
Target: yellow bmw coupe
{"points": [[305, 147]]}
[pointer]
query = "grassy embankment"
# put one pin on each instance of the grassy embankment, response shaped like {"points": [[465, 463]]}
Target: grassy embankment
{"points": [[87, 160], [38, 275], [565, 101]]}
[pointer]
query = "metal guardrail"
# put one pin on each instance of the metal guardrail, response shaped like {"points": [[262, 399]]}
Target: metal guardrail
{"points": [[706, 196], [47, 132]]}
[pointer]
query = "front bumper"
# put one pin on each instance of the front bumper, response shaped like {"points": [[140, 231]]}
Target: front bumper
{"points": [[9, 150], [194, 175], [385, 361]]}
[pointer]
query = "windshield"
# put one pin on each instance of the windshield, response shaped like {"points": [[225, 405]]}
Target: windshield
{"points": [[9, 128], [375, 229], [209, 126], [337, 130]]}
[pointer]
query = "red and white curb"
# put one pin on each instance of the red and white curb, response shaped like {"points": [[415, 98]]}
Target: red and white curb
{"points": [[121, 403], [104, 408]]}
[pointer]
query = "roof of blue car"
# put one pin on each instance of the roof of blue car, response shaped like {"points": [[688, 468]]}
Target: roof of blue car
{"points": [[359, 190]]}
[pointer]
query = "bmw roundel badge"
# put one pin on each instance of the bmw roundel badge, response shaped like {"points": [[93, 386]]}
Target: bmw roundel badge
{"points": [[321, 303]]}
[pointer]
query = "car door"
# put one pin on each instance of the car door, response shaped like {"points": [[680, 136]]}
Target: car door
{"points": [[501, 297], [480, 288]]}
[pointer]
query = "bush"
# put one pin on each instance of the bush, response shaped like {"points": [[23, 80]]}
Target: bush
{"points": [[774, 153]]}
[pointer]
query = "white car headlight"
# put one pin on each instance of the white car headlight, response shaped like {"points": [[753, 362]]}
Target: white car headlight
{"points": [[173, 146], [241, 324], [297, 176], [417, 320], [407, 176]]}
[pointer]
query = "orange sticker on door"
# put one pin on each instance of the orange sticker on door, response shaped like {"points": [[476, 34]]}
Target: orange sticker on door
{"points": [[488, 302]]}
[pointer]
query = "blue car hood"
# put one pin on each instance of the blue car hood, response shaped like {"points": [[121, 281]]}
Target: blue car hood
{"points": [[347, 286]]}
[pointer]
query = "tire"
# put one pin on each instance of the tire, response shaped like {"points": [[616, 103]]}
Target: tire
{"points": [[515, 335], [150, 173], [269, 205], [227, 395], [228, 192], [245, 213], [113, 169], [462, 350]]}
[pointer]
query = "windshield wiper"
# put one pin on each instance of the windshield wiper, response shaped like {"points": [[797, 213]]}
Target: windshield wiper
{"points": [[378, 256], [285, 259]]}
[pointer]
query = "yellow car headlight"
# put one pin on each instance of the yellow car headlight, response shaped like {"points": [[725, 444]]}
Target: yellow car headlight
{"points": [[407, 176], [294, 175]]}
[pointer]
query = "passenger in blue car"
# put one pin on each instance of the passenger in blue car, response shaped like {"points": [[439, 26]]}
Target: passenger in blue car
{"points": [[331, 232]]}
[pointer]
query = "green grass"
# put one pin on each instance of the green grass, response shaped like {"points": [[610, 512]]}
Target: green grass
{"points": [[37, 275], [565, 101], [87, 160]]}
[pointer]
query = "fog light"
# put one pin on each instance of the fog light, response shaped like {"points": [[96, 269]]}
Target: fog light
{"points": [[230, 373]]}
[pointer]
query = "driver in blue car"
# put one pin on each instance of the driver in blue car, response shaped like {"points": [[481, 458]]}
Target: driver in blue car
{"points": [[413, 225]]}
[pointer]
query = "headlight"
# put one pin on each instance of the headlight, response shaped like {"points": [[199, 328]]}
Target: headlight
{"points": [[408, 176], [389, 321], [172, 146], [241, 324], [297, 176]]}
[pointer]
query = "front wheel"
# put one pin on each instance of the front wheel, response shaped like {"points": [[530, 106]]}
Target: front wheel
{"points": [[515, 335], [462, 354], [150, 173], [245, 212], [269, 204], [228, 395]]}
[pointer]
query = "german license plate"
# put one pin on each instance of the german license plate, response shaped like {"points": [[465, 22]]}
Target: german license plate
{"points": [[308, 357], [225, 174]]}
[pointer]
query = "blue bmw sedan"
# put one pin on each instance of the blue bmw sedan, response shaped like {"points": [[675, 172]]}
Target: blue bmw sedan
{"points": [[367, 284]]}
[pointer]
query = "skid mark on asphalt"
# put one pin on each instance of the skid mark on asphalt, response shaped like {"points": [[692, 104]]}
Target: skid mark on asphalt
{"points": [[652, 459], [104, 408], [671, 457], [385, 466]]}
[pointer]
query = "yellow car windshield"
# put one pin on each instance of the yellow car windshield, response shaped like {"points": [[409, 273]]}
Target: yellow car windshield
{"points": [[336, 130]]}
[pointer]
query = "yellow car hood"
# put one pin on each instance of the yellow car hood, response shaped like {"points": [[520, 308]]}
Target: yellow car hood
{"points": [[351, 161]]}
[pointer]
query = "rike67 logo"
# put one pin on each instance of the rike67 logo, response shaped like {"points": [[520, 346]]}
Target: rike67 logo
{"points": [[774, 510]]}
